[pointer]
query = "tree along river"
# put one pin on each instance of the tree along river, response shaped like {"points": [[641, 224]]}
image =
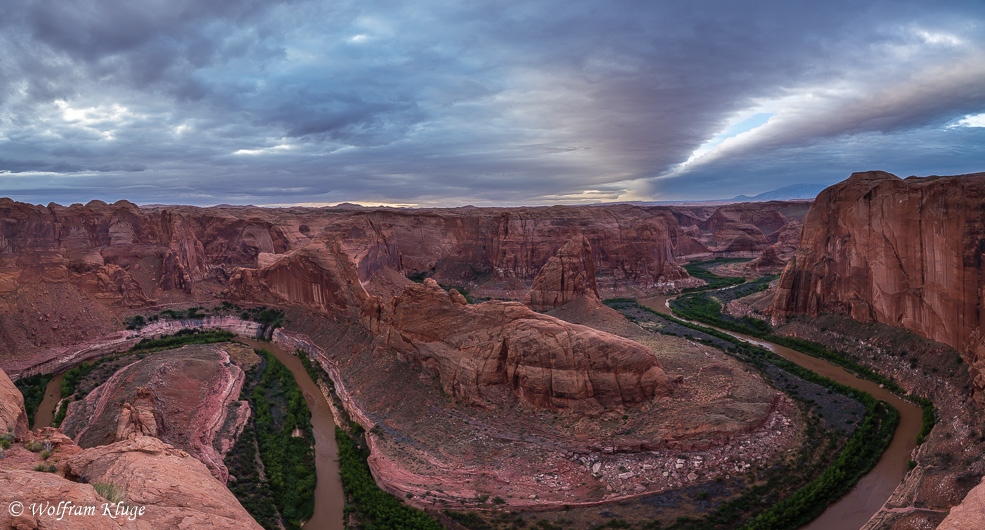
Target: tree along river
{"points": [[864, 500]]}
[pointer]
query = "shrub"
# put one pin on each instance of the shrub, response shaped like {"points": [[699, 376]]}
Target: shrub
{"points": [[109, 492]]}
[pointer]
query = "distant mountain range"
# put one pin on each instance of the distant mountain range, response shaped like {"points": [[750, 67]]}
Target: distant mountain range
{"points": [[794, 192], [786, 193]]}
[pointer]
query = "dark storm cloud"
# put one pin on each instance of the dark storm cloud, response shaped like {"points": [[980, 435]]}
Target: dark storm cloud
{"points": [[485, 103]]}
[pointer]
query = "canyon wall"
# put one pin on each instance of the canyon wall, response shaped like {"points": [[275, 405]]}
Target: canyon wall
{"points": [[906, 253]]}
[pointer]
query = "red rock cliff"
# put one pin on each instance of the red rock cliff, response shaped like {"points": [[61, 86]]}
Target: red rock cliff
{"points": [[906, 253]]}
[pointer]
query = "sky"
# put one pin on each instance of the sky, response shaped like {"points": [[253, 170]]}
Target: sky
{"points": [[448, 103]]}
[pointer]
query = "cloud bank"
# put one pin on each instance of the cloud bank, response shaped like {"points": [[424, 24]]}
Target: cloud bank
{"points": [[439, 103]]}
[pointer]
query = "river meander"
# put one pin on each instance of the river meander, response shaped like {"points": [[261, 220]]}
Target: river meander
{"points": [[872, 491], [852, 511]]}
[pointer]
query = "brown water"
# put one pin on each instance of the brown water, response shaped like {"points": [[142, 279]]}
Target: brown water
{"points": [[872, 491], [46, 410], [328, 491]]}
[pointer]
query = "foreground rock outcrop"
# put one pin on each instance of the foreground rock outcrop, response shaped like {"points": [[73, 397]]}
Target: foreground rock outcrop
{"points": [[177, 489], [174, 489], [480, 351], [906, 253], [568, 275]]}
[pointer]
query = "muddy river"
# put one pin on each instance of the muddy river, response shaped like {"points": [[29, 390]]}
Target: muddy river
{"points": [[46, 410], [872, 491], [328, 491]]}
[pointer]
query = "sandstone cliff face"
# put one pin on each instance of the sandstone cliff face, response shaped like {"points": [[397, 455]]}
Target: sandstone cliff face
{"points": [[100, 259], [632, 246], [906, 253], [568, 275], [490, 351], [13, 417], [319, 276]]}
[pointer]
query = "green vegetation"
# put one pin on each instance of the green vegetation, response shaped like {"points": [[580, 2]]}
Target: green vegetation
{"points": [[32, 388], [699, 270], [60, 415], [251, 488], [859, 455], [315, 371], [929, 418], [271, 318], [279, 433], [375, 508], [70, 381]]}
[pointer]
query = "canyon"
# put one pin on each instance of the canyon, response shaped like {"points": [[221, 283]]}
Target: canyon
{"points": [[472, 345]]}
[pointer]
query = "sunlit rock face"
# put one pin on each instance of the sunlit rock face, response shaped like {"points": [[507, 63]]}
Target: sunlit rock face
{"points": [[906, 253]]}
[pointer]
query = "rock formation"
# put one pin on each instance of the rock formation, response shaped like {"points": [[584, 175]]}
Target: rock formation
{"points": [[906, 253], [480, 351], [182, 396], [969, 514], [775, 257], [568, 275], [137, 419], [178, 490], [13, 417]]}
